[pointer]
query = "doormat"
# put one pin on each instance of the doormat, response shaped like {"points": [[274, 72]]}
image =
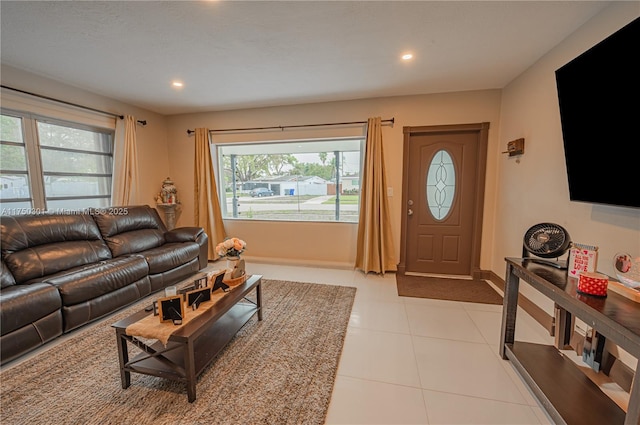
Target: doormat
{"points": [[470, 291]]}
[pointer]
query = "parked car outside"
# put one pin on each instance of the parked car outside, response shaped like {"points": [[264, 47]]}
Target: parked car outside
{"points": [[261, 191]]}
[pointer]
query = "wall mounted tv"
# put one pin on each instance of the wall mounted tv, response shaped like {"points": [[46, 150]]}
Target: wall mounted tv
{"points": [[599, 99]]}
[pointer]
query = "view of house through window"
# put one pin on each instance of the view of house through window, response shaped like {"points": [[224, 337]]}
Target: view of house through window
{"points": [[317, 180], [49, 165], [15, 191]]}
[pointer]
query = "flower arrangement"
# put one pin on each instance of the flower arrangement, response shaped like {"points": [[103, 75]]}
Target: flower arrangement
{"points": [[231, 247]]}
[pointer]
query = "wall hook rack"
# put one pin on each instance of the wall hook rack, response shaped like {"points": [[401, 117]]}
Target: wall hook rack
{"points": [[515, 147]]}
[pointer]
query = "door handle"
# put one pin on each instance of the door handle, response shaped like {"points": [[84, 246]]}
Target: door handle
{"points": [[409, 211]]}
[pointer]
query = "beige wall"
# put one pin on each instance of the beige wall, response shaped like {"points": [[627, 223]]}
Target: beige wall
{"points": [[152, 140], [333, 243], [535, 189], [518, 194]]}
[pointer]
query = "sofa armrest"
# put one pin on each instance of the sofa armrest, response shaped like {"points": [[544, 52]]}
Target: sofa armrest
{"points": [[184, 234]]}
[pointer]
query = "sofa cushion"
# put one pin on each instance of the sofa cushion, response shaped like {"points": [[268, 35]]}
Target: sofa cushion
{"points": [[131, 229], [21, 305], [170, 256], [34, 246], [30, 336], [134, 241], [77, 315], [6, 278], [93, 280]]}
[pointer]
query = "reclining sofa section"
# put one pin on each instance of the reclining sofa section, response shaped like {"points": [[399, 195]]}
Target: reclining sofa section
{"points": [[61, 271]]}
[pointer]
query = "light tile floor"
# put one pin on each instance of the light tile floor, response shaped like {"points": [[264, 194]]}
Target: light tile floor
{"points": [[419, 361]]}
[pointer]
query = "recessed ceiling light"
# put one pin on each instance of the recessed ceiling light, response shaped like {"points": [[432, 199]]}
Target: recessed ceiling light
{"points": [[177, 84], [407, 56]]}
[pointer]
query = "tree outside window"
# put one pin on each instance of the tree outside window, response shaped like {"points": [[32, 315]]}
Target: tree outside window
{"points": [[293, 181]]}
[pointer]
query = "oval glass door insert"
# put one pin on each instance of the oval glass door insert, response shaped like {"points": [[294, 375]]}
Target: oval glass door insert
{"points": [[441, 185]]}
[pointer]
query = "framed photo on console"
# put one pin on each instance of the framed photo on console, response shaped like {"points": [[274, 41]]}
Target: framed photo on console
{"points": [[171, 309]]}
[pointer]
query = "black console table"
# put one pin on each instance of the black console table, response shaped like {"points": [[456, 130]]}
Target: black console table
{"points": [[565, 392]]}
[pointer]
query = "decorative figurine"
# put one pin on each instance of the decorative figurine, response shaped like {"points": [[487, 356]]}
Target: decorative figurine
{"points": [[169, 192]]}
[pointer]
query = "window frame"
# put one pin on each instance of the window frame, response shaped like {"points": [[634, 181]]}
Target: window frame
{"points": [[218, 154], [34, 163]]}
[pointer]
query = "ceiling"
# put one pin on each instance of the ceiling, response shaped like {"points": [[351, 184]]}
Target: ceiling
{"points": [[244, 54]]}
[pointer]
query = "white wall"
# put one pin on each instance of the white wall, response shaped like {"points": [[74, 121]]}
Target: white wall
{"points": [[535, 189]]}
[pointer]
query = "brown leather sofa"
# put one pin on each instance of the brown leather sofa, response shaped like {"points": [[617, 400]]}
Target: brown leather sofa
{"points": [[61, 271]]}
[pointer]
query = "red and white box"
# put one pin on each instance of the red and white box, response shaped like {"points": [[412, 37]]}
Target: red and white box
{"points": [[593, 284]]}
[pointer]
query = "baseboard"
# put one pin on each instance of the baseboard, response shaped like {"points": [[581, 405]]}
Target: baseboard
{"points": [[619, 372], [301, 263]]}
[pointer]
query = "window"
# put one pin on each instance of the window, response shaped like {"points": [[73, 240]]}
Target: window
{"points": [[440, 185], [15, 192], [48, 165], [315, 180]]}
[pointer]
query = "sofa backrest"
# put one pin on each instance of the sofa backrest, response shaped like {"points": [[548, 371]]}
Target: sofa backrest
{"points": [[130, 229], [35, 246]]}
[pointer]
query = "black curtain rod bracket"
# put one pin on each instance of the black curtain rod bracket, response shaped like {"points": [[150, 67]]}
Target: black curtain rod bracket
{"points": [[283, 127], [142, 122]]}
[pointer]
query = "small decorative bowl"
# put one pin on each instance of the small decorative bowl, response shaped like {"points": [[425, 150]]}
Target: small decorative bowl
{"points": [[235, 282]]}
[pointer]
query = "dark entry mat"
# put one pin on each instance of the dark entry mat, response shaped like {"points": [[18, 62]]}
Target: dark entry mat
{"points": [[471, 291]]}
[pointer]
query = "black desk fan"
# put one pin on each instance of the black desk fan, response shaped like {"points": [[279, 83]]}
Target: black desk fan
{"points": [[546, 240]]}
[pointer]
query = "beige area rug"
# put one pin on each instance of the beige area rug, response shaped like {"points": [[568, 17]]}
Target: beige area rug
{"points": [[277, 371], [471, 291]]}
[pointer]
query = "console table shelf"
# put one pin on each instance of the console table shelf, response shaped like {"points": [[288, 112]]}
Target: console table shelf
{"points": [[561, 387], [566, 393]]}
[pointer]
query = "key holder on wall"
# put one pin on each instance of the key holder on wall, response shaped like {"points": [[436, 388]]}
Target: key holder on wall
{"points": [[515, 147]]}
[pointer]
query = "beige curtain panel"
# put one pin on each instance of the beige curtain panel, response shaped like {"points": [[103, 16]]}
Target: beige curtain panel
{"points": [[375, 252], [207, 212], [125, 184]]}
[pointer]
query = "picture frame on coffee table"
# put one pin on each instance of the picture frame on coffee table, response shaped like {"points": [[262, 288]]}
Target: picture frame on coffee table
{"points": [[216, 281], [171, 309], [200, 283], [196, 297]]}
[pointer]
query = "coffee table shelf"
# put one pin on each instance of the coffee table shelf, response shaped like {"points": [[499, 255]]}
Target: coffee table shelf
{"points": [[192, 347]]}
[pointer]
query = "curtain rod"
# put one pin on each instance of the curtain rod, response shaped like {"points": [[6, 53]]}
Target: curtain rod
{"points": [[143, 122], [282, 127]]}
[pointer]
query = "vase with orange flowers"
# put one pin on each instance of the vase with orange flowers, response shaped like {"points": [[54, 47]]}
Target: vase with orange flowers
{"points": [[231, 248]]}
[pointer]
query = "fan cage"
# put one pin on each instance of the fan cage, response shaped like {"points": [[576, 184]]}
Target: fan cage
{"points": [[546, 240]]}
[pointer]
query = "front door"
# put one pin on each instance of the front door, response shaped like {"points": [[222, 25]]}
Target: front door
{"points": [[443, 194]]}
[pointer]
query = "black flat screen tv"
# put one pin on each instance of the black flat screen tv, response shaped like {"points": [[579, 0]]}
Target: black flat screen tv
{"points": [[599, 99]]}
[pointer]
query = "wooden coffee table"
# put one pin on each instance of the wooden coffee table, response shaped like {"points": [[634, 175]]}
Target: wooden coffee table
{"points": [[192, 347]]}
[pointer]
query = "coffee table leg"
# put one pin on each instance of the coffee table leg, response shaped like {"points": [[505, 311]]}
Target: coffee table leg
{"points": [[123, 355], [259, 299], [190, 371]]}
